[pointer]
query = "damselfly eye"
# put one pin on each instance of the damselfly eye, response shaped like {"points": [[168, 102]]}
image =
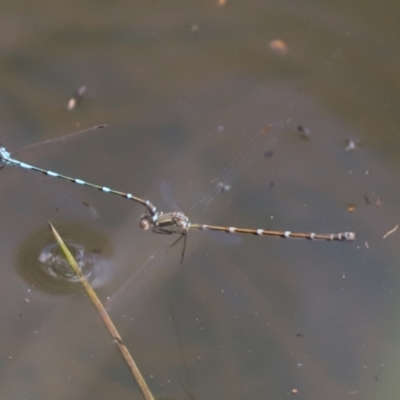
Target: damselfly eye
{"points": [[144, 223]]}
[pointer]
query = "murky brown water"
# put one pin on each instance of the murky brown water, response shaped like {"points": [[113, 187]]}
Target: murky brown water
{"points": [[184, 88]]}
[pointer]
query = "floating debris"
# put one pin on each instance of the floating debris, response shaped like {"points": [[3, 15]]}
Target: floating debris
{"points": [[352, 145], [77, 98], [351, 208], [390, 232], [279, 47], [305, 133]]}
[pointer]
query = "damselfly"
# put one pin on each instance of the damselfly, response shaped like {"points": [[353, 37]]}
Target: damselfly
{"points": [[177, 222]]}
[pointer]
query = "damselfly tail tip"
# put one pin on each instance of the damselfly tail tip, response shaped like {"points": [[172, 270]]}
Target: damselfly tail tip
{"points": [[348, 236]]}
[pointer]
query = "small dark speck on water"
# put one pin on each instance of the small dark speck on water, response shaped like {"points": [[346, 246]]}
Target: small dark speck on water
{"points": [[379, 373], [305, 133], [268, 154]]}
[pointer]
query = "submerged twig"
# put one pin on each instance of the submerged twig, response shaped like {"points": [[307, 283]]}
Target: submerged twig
{"points": [[105, 317]]}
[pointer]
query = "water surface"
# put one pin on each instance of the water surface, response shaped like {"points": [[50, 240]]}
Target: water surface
{"points": [[184, 87]]}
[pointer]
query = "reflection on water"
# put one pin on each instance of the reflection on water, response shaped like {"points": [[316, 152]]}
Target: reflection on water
{"points": [[42, 264]]}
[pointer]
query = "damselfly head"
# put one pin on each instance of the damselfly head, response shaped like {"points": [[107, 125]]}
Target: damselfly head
{"points": [[144, 222]]}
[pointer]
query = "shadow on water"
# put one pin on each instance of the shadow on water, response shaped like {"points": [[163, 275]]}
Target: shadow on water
{"points": [[184, 88]]}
